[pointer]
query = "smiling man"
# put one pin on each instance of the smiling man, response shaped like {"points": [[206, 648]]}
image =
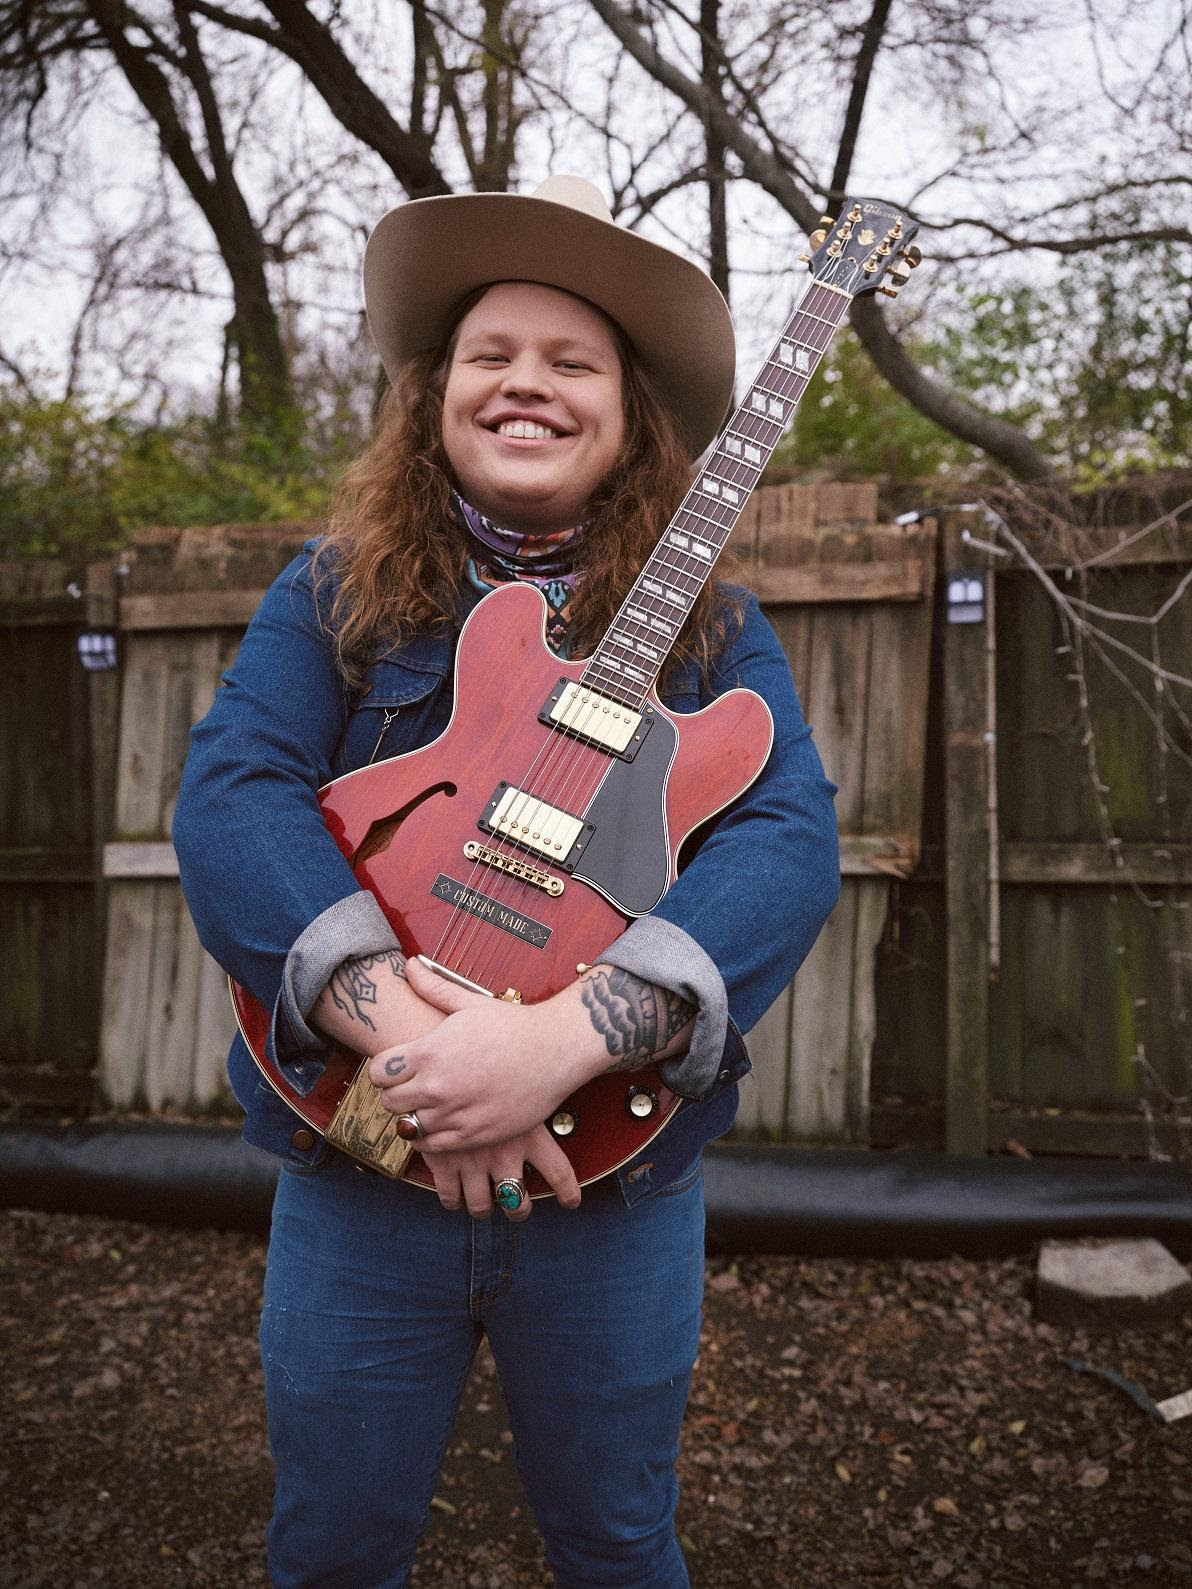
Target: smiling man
{"points": [[553, 377]]}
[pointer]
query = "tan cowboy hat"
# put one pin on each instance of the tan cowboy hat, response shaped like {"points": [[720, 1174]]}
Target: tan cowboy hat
{"points": [[427, 255]]}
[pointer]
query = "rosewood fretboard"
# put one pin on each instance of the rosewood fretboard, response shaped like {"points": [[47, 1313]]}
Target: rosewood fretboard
{"points": [[636, 644]]}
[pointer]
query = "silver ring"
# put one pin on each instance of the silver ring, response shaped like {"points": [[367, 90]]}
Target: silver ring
{"points": [[409, 1128], [510, 1194]]}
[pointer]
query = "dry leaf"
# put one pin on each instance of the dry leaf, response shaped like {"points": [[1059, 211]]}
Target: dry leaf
{"points": [[843, 1473], [945, 1507]]}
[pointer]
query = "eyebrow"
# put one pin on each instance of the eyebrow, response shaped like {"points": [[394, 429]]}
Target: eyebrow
{"points": [[572, 344]]}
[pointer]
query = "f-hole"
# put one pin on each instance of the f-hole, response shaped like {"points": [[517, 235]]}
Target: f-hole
{"points": [[383, 830]]}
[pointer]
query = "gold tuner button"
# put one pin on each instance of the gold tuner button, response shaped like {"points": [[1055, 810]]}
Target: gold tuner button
{"points": [[913, 255], [805, 259], [563, 1122], [827, 221], [900, 275], [819, 238], [890, 292]]}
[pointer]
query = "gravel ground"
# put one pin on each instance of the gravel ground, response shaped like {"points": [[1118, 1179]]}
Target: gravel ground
{"points": [[852, 1422]]}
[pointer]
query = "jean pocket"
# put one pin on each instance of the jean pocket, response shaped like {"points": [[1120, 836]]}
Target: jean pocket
{"points": [[640, 1184], [317, 1162], [682, 1182]]}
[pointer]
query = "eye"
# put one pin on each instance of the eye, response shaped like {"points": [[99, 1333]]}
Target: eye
{"points": [[573, 364]]}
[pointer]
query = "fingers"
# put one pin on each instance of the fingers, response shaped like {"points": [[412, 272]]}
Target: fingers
{"points": [[444, 1168], [548, 1158], [436, 990]]}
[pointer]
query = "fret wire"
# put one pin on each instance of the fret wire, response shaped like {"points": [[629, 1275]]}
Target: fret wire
{"points": [[685, 507], [671, 566], [722, 456], [659, 560]]}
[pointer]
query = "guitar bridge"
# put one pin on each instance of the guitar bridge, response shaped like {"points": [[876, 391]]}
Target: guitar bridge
{"points": [[524, 871], [365, 1130]]}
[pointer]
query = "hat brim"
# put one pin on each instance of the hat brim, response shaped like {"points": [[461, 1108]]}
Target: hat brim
{"points": [[424, 257]]}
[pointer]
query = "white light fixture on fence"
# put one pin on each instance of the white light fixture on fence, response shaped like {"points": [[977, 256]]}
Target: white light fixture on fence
{"points": [[966, 596], [97, 649]]}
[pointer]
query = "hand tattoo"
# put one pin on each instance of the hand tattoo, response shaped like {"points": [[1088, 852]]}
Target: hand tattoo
{"points": [[395, 1065], [636, 1019], [354, 984]]}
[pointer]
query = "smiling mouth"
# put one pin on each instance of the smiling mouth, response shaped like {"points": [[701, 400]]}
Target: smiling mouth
{"points": [[526, 430]]}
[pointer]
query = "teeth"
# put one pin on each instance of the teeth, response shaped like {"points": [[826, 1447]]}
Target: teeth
{"points": [[524, 430]]}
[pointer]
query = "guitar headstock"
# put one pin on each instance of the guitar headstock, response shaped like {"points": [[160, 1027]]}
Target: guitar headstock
{"points": [[869, 241]]}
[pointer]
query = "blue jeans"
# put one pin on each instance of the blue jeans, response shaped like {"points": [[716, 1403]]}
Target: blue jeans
{"points": [[375, 1301]]}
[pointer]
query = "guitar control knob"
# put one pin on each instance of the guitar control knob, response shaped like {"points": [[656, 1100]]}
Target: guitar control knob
{"points": [[563, 1122], [641, 1102]]}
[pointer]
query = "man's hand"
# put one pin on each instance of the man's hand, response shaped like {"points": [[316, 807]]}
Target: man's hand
{"points": [[494, 1071], [466, 1180]]}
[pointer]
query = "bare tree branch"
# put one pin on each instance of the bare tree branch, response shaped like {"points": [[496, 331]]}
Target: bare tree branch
{"points": [[1001, 440]]}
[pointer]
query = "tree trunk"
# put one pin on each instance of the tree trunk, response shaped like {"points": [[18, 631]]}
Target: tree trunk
{"points": [[711, 66], [1005, 443], [265, 392]]}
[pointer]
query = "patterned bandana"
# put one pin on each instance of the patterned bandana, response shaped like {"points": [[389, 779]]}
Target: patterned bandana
{"points": [[497, 556]]}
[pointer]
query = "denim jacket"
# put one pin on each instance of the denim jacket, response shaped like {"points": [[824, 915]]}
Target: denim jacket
{"points": [[276, 904]]}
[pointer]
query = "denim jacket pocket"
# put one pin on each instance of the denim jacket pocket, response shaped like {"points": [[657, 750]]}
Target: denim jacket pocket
{"points": [[386, 721]]}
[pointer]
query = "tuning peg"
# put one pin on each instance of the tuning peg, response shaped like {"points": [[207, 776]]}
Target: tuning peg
{"points": [[805, 259], [827, 221], [819, 238], [900, 274], [890, 292], [913, 255]]}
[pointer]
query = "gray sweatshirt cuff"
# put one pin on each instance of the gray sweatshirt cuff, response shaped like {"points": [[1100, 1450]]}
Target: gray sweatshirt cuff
{"points": [[350, 928], [658, 951]]}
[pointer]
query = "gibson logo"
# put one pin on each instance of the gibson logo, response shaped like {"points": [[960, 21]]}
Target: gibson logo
{"points": [[491, 910]]}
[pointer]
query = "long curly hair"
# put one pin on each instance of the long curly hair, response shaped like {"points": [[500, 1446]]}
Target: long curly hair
{"points": [[394, 553]]}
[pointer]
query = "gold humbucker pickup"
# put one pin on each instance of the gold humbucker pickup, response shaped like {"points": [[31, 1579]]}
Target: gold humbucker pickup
{"points": [[365, 1130], [597, 718], [514, 866], [536, 826]]}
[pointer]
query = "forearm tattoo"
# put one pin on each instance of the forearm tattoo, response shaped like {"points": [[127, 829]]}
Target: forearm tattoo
{"points": [[354, 984], [636, 1019]]}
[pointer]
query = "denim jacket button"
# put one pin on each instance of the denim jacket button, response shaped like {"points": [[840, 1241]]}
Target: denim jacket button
{"points": [[303, 1141]]}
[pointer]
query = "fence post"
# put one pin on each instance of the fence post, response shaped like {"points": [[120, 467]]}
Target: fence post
{"points": [[966, 685]]}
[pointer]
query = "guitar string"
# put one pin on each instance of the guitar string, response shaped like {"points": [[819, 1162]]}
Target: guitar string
{"points": [[563, 765], [578, 763]]}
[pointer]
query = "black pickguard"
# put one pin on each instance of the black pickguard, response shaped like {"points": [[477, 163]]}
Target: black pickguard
{"points": [[627, 857]]}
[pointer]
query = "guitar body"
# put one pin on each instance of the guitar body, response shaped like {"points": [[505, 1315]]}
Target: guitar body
{"points": [[587, 814], [520, 919]]}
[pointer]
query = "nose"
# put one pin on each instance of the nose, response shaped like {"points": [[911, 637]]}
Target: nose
{"points": [[527, 375]]}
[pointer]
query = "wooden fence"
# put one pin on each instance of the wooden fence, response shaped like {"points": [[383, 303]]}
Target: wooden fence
{"points": [[893, 1032]]}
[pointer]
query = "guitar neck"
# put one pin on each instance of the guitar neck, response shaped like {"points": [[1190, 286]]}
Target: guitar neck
{"points": [[638, 641]]}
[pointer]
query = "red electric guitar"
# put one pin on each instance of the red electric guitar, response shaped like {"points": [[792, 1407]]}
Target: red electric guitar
{"points": [[551, 810]]}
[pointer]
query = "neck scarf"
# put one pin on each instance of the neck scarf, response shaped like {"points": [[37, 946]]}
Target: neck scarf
{"points": [[497, 555]]}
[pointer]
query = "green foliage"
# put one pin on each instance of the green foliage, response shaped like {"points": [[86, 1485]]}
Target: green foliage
{"points": [[74, 482], [852, 425], [1096, 365]]}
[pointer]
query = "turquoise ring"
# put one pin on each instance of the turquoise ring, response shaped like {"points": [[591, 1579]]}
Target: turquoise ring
{"points": [[510, 1194]]}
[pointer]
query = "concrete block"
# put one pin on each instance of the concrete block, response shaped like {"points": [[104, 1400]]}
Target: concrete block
{"points": [[1100, 1283]]}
